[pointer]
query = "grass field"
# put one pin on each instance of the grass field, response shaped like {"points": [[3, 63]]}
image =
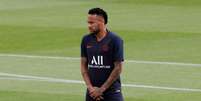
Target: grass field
{"points": [[162, 48]]}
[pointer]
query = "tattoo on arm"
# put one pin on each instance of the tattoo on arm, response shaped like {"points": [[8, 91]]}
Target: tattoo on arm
{"points": [[113, 76]]}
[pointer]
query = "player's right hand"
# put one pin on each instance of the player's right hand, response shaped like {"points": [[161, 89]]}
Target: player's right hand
{"points": [[99, 98]]}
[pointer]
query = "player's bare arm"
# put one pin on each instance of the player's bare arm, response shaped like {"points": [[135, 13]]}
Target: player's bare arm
{"points": [[113, 76], [84, 72]]}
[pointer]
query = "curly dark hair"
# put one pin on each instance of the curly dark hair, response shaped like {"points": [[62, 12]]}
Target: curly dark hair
{"points": [[99, 12]]}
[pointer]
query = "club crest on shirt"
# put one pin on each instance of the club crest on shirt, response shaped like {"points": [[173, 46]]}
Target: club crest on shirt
{"points": [[105, 48]]}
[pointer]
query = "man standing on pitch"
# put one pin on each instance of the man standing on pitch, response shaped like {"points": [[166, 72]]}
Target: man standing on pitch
{"points": [[101, 59]]}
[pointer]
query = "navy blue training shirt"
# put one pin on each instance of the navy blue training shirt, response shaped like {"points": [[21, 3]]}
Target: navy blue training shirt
{"points": [[101, 57]]}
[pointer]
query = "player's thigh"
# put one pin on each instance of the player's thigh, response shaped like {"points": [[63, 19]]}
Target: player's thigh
{"points": [[88, 98], [114, 97]]}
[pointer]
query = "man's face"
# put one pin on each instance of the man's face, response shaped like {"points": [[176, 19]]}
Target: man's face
{"points": [[93, 23]]}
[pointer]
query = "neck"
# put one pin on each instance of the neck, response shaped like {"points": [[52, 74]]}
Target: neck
{"points": [[101, 34]]}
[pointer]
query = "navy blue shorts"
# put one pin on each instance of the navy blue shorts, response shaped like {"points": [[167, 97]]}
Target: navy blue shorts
{"points": [[108, 96]]}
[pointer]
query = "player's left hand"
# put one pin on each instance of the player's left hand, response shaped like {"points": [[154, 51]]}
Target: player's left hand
{"points": [[97, 93], [99, 98]]}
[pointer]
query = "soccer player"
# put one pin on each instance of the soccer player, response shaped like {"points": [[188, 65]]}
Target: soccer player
{"points": [[101, 59]]}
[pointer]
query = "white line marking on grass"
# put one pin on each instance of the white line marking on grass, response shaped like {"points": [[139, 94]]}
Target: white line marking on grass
{"points": [[40, 57], [162, 88], [74, 58], [49, 79], [41, 78], [164, 63], [14, 78]]}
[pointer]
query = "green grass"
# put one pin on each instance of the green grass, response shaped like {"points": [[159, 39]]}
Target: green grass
{"points": [[153, 30], [141, 74]]}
